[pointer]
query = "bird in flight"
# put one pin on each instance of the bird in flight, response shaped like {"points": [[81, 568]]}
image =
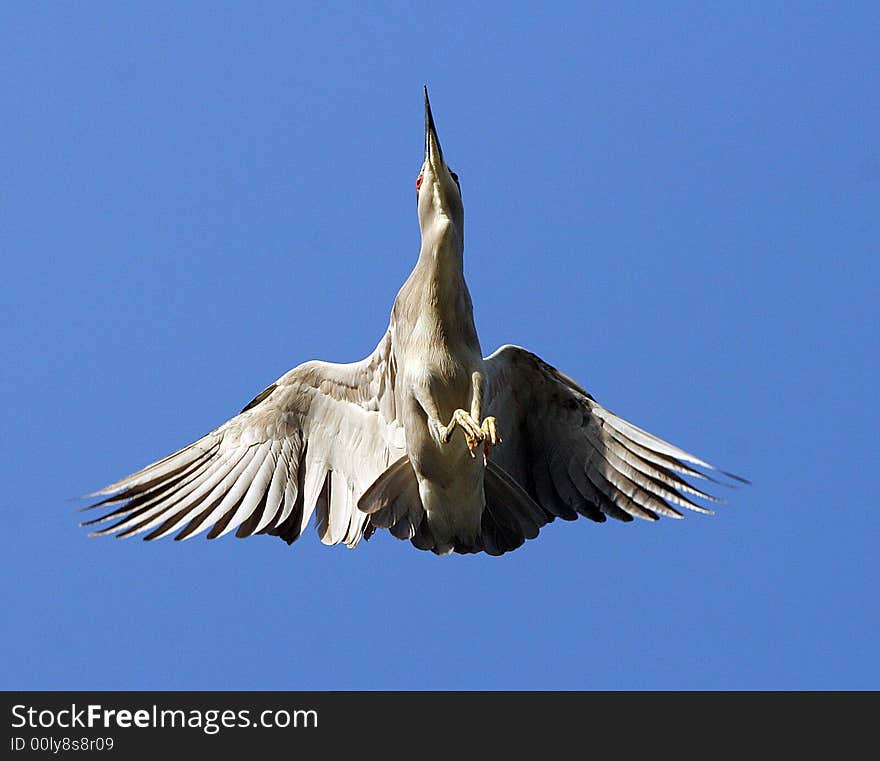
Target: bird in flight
{"points": [[425, 437]]}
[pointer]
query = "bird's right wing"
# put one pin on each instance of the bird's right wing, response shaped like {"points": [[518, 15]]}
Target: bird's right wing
{"points": [[573, 456], [314, 439]]}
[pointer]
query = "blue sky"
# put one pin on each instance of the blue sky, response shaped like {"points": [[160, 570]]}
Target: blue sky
{"points": [[676, 205]]}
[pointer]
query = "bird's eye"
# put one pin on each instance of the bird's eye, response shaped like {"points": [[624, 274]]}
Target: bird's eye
{"points": [[455, 177], [419, 182]]}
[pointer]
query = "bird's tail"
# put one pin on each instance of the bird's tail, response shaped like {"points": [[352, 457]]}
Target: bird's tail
{"points": [[393, 502], [510, 515]]}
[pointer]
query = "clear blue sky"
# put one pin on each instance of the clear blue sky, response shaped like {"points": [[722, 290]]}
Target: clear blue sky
{"points": [[679, 206]]}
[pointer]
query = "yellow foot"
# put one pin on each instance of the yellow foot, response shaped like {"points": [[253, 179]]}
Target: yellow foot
{"points": [[490, 436], [471, 428], [490, 430], [474, 433]]}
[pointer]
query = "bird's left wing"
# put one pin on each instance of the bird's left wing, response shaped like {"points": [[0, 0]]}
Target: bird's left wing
{"points": [[573, 456], [312, 441]]}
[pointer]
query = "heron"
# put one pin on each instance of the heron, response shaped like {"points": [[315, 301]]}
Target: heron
{"points": [[425, 437]]}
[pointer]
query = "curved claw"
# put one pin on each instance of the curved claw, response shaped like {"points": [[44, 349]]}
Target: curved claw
{"points": [[472, 431], [490, 436], [490, 430]]}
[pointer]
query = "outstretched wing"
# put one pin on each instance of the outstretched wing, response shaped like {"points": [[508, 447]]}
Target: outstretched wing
{"points": [[574, 457], [312, 441]]}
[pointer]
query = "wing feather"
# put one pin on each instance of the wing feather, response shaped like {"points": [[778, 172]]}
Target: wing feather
{"points": [[646, 439], [290, 458], [226, 494], [649, 456], [144, 501], [275, 494], [316, 438], [573, 456], [193, 492], [159, 472], [255, 492]]}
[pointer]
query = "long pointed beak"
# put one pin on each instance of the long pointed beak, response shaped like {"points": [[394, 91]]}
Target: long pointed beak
{"points": [[433, 153]]}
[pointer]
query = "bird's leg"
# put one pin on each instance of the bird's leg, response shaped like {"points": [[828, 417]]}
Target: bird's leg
{"points": [[468, 424], [488, 427], [471, 428], [490, 436]]}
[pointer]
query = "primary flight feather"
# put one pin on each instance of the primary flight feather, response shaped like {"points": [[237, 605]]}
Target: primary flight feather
{"points": [[425, 437]]}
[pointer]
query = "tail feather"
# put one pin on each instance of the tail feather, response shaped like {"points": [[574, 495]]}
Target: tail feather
{"points": [[392, 501], [510, 515]]}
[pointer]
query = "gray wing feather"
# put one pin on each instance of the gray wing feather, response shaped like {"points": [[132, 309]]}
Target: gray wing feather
{"points": [[573, 456]]}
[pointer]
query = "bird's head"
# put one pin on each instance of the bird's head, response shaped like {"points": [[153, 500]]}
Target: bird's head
{"points": [[437, 187]]}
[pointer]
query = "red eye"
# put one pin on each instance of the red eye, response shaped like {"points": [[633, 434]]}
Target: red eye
{"points": [[419, 182]]}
